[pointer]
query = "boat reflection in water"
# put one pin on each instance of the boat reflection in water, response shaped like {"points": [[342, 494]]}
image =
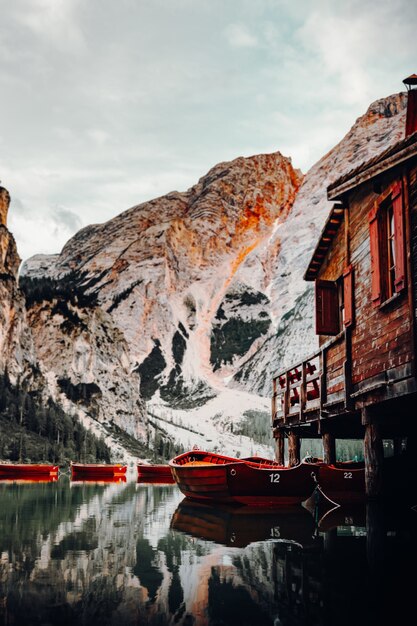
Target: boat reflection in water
{"points": [[104, 480], [127, 553], [239, 526]]}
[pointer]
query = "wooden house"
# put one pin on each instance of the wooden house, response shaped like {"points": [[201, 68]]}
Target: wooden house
{"points": [[361, 383]]}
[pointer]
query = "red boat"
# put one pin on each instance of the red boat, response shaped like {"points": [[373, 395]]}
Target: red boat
{"points": [[208, 476], [343, 482], [154, 473], [27, 471], [98, 471]]}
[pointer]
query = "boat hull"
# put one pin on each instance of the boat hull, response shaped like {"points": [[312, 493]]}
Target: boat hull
{"points": [[27, 471], [97, 471], [209, 477], [343, 482], [154, 473]]}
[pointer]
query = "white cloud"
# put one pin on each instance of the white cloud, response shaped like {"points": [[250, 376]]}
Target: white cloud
{"points": [[239, 36], [106, 104]]}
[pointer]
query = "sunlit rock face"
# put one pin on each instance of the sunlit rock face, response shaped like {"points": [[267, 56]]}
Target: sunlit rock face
{"points": [[166, 271], [16, 348], [281, 265]]}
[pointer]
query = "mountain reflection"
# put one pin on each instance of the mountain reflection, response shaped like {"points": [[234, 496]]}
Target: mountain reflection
{"points": [[129, 553]]}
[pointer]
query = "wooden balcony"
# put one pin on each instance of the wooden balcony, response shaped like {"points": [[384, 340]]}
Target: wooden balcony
{"points": [[318, 386]]}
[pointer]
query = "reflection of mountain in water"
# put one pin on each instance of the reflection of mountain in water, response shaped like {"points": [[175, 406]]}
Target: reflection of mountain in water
{"points": [[133, 554]]}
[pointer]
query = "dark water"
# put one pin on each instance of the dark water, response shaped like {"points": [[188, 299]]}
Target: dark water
{"points": [[131, 553]]}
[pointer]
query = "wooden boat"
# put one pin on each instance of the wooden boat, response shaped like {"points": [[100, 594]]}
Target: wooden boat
{"points": [[27, 470], [343, 482], [229, 525], [34, 480], [208, 476], [97, 470], [154, 473]]}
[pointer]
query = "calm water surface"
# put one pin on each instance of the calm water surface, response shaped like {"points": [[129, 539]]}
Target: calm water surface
{"points": [[131, 553]]}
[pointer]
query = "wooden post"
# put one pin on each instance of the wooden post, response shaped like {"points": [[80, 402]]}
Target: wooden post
{"points": [[374, 457], [397, 445], [323, 381], [329, 448], [293, 448], [303, 392], [279, 446], [287, 397]]}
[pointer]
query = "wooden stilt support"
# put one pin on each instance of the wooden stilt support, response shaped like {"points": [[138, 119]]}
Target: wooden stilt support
{"points": [[397, 445], [279, 447], [374, 456], [293, 448], [329, 448]]}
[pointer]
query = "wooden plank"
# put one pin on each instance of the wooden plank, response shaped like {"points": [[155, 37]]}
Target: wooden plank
{"points": [[374, 457]]}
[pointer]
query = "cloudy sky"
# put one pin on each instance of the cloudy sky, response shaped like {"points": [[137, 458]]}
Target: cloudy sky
{"points": [[105, 104]]}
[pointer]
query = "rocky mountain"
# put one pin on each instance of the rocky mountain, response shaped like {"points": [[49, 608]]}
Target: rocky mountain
{"points": [[201, 292], [164, 272], [58, 347]]}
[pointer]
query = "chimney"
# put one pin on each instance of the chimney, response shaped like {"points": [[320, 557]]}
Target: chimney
{"points": [[411, 123]]}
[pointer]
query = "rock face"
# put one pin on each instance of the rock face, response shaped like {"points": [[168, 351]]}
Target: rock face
{"points": [[16, 347], [165, 272], [73, 354], [86, 360]]}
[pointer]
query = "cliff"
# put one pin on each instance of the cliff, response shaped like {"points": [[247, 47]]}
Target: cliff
{"points": [[166, 273], [202, 291]]}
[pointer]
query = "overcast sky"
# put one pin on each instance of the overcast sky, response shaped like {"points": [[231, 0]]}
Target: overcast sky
{"points": [[107, 103]]}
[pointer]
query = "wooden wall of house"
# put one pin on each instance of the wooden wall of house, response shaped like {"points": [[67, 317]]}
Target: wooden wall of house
{"points": [[413, 233], [381, 336]]}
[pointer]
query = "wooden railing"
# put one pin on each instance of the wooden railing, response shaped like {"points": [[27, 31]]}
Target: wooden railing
{"points": [[311, 385], [297, 389]]}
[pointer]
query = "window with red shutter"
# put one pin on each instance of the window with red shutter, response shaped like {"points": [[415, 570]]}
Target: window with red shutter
{"points": [[387, 243], [327, 308], [348, 296], [398, 214], [375, 257]]}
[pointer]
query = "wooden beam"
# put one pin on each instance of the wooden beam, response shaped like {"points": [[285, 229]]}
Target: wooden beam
{"points": [[293, 448], [279, 446], [329, 448]]}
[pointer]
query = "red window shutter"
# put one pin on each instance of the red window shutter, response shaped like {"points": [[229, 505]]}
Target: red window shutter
{"points": [[348, 295], [327, 308], [397, 205], [375, 257]]}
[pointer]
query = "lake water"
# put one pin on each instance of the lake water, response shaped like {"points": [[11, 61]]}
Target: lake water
{"points": [[132, 553]]}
